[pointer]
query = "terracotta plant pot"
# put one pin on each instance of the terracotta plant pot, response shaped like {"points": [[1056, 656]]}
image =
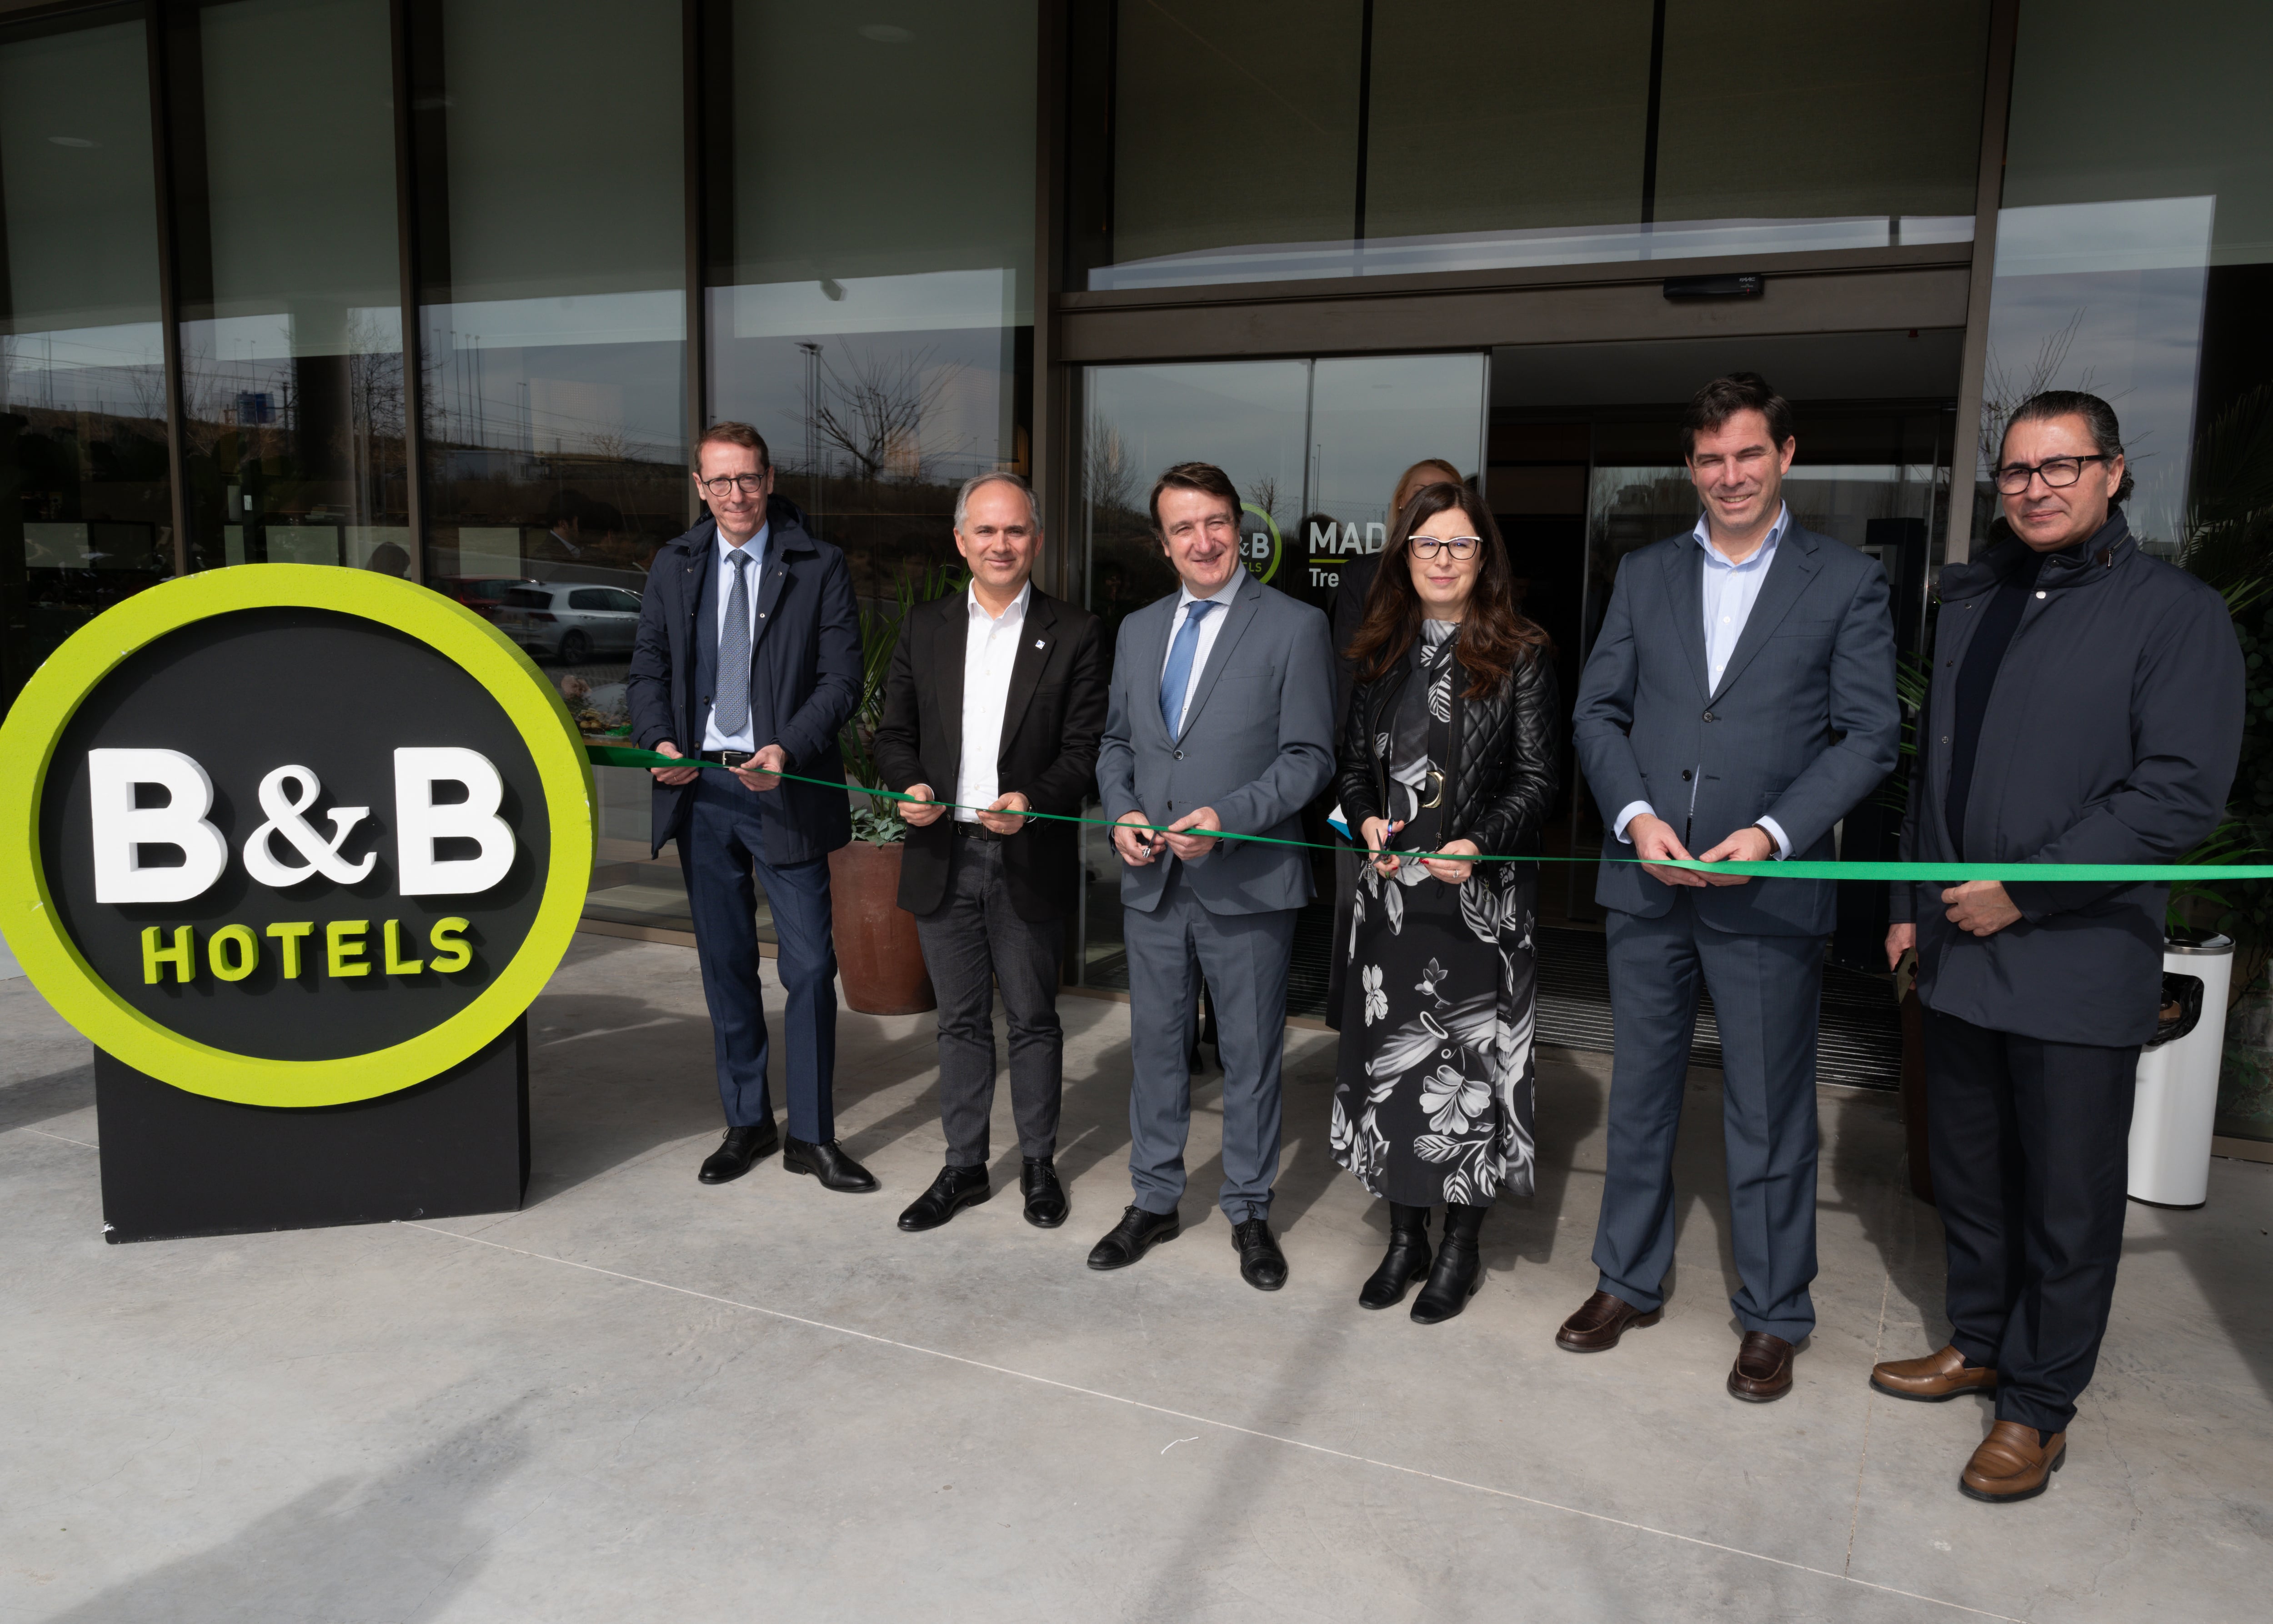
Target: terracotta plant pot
{"points": [[877, 950]]}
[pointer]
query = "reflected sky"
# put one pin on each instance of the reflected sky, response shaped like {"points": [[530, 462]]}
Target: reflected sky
{"points": [[2106, 297]]}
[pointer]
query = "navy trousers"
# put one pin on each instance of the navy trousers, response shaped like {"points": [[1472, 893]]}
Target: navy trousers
{"points": [[1245, 957], [1768, 995], [2031, 1143], [720, 849]]}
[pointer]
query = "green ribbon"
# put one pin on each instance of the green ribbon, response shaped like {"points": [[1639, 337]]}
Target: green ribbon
{"points": [[1798, 868]]}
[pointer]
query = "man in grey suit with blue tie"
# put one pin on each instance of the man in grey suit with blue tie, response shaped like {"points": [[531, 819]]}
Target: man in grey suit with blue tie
{"points": [[1220, 719], [1739, 701]]}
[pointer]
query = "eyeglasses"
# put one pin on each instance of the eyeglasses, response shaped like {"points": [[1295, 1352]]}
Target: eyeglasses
{"points": [[2057, 473], [1458, 546], [725, 485]]}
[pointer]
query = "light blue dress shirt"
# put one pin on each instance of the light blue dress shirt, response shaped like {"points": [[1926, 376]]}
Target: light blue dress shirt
{"points": [[1730, 589], [712, 739], [1222, 598]]}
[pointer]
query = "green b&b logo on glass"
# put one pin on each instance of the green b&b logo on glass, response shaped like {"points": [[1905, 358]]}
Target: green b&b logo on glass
{"points": [[292, 836]]}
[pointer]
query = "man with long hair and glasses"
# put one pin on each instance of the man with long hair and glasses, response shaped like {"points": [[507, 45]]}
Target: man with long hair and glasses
{"points": [[1739, 701], [749, 657], [2086, 708]]}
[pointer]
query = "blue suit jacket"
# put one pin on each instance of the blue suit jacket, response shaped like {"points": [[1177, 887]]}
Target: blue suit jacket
{"points": [[1258, 744], [804, 675], [1804, 725]]}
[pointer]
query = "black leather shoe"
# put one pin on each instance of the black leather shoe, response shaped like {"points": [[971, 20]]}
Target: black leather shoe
{"points": [[832, 1167], [739, 1152], [1136, 1233], [1261, 1264], [1459, 1269], [1406, 1261], [955, 1189], [1045, 1199]]}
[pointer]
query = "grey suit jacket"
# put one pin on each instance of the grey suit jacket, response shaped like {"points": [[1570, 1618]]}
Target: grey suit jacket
{"points": [[1804, 725], [1258, 744]]}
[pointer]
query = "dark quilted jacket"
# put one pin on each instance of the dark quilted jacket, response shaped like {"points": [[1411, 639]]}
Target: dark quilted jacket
{"points": [[1501, 781]]}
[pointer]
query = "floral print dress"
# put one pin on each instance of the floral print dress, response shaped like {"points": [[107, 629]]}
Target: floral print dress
{"points": [[1433, 1102]]}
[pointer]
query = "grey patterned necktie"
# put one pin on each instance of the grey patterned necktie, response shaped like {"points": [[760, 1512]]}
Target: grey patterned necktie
{"points": [[731, 709]]}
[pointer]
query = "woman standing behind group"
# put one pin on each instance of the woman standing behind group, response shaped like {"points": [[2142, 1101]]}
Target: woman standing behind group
{"points": [[1449, 749]]}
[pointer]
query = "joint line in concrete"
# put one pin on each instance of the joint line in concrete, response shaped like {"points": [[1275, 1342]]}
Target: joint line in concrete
{"points": [[1180, 1415]]}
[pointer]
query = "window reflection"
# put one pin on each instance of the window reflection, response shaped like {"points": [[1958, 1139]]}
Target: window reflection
{"points": [[86, 503], [1356, 152], [2134, 253], [872, 290], [292, 385], [554, 305]]}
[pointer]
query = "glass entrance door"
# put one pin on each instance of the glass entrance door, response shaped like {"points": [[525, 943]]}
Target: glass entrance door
{"points": [[1315, 448]]}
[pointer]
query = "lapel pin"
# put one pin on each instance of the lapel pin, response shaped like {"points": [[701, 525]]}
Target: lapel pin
{"points": [[1040, 642]]}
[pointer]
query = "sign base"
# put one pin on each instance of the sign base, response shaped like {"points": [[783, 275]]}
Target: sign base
{"points": [[177, 1163]]}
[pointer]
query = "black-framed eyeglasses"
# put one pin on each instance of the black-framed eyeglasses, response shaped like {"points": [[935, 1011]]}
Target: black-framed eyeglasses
{"points": [[1458, 546], [724, 484], [2057, 472]]}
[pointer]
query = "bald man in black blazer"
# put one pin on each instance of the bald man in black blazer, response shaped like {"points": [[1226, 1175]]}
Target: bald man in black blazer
{"points": [[996, 699]]}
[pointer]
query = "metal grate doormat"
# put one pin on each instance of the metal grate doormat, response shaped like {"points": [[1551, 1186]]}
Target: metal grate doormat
{"points": [[1859, 1041]]}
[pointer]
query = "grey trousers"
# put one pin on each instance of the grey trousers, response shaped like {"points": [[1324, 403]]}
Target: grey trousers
{"points": [[1245, 956], [973, 941], [1767, 993]]}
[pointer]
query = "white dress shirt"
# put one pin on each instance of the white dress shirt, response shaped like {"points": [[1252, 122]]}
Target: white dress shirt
{"points": [[1210, 626], [712, 739], [1730, 589], [990, 649]]}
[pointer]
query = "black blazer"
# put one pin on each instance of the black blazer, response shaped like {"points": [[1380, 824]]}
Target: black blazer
{"points": [[1500, 786], [1050, 727], [804, 675]]}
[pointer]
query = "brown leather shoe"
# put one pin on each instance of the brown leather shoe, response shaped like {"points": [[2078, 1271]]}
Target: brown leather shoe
{"points": [[1763, 1368], [1936, 1376], [1601, 1320], [2010, 1464]]}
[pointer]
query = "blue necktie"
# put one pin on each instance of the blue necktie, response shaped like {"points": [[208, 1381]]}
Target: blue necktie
{"points": [[1178, 676], [731, 708]]}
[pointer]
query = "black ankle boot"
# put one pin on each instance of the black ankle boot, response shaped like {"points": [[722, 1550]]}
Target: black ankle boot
{"points": [[1406, 1261], [1459, 1269]]}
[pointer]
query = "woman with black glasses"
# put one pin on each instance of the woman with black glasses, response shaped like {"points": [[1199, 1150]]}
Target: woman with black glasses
{"points": [[1450, 751]]}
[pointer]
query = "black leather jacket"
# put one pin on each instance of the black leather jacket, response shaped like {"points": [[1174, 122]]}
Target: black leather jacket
{"points": [[1500, 786]]}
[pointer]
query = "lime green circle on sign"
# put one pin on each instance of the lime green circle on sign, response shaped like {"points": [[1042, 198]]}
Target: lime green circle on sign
{"points": [[53, 961], [1278, 546]]}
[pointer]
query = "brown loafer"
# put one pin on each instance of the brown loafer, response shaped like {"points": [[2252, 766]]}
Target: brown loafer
{"points": [[1601, 1320], [1936, 1376], [1763, 1368], [2011, 1465]]}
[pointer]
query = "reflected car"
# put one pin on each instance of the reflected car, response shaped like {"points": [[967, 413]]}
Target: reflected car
{"points": [[482, 593], [569, 623]]}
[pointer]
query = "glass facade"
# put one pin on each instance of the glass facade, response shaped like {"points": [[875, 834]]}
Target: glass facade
{"points": [[523, 166], [553, 296], [2135, 244], [1402, 136], [86, 497], [288, 283], [872, 280]]}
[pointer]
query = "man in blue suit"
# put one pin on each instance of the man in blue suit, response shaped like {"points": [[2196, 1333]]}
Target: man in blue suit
{"points": [[1220, 718], [748, 657], [1739, 700]]}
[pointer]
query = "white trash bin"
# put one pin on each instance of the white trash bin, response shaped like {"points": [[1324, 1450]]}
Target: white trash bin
{"points": [[2176, 1107]]}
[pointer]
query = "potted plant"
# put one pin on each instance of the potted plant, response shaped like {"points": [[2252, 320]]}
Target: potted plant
{"points": [[878, 953]]}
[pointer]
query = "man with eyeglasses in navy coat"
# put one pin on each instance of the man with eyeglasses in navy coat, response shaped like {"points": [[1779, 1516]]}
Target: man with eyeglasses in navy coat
{"points": [[749, 657], [2086, 708]]}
